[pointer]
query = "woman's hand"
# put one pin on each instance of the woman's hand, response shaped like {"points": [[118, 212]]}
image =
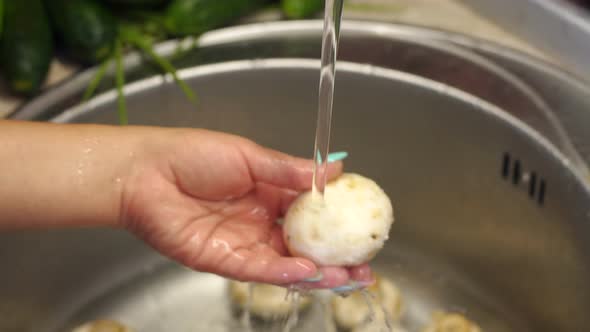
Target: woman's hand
{"points": [[211, 201], [206, 199]]}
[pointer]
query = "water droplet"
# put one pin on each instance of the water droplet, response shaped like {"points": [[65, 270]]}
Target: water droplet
{"points": [[238, 256], [259, 213], [220, 244]]}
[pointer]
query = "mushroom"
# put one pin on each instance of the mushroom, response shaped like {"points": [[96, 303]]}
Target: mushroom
{"points": [[451, 322], [265, 301], [353, 312], [102, 326], [346, 226]]}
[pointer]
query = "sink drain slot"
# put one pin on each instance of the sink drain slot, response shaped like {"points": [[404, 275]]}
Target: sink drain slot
{"points": [[512, 171]]}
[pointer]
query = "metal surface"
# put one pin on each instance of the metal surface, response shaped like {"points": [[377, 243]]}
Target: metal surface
{"points": [[560, 28], [466, 238], [568, 98], [559, 109]]}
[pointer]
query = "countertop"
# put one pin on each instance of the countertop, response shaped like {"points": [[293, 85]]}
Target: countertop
{"points": [[440, 14]]}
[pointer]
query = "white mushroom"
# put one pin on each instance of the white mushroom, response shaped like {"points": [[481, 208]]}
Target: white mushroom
{"points": [[377, 326], [347, 227], [353, 311], [451, 322], [265, 301], [102, 326]]}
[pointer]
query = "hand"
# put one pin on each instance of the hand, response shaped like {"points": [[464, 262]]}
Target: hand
{"points": [[210, 201]]}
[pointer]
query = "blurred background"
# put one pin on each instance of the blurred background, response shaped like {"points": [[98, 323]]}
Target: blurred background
{"points": [[46, 42], [499, 76]]}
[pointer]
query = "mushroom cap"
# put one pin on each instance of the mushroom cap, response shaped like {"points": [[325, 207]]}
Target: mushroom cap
{"points": [[348, 226], [353, 311], [266, 301], [451, 322], [102, 326]]}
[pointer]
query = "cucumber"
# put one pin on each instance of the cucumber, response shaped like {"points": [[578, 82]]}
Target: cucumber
{"points": [[194, 17], [85, 28], [27, 46], [137, 3], [300, 9], [1, 16]]}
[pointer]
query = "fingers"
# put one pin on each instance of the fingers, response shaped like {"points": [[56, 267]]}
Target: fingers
{"points": [[276, 241], [275, 199], [253, 266], [340, 278], [218, 166], [282, 170], [362, 273], [327, 277], [266, 265], [290, 270], [287, 197]]}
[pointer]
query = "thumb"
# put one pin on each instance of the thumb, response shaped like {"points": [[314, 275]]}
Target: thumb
{"points": [[283, 170]]}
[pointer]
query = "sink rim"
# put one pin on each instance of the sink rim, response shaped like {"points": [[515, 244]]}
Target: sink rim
{"points": [[490, 110]]}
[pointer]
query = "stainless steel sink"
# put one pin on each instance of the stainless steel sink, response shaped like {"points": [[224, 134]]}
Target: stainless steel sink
{"points": [[493, 215], [551, 101], [559, 27]]}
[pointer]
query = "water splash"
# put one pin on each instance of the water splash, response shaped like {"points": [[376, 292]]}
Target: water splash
{"points": [[246, 317], [294, 296]]}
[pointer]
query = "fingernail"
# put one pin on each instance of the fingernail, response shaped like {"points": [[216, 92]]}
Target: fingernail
{"points": [[351, 287], [317, 278], [364, 284], [337, 156]]}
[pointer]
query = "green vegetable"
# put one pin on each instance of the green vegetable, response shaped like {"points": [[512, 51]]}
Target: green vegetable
{"points": [[120, 81], [134, 37], [86, 28], [300, 9], [1, 16], [131, 35], [91, 88], [137, 3], [194, 17], [27, 45]]}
